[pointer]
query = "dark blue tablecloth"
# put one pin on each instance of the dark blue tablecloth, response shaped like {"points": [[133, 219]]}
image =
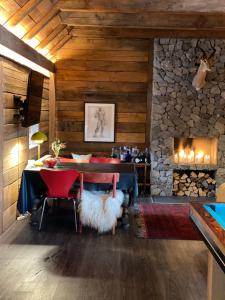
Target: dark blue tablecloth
{"points": [[32, 188]]}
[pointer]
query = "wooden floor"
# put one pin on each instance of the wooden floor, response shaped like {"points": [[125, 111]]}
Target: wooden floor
{"points": [[58, 264]]}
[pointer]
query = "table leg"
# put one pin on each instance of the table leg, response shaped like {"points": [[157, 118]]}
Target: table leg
{"points": [[216, 280], [125, 214]]}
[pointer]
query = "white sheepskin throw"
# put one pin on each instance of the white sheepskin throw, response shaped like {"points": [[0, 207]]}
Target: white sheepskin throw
{"points": [[100, 210]]}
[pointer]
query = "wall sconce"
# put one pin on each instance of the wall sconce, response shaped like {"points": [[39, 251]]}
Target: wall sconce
{"points": [[39, 138]]}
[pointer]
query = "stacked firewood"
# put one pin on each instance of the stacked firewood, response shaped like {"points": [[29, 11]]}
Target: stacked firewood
{"points": [[194, 184]]}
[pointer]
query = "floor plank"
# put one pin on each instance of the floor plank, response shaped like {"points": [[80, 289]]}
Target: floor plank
{"points": [[58, 264]]}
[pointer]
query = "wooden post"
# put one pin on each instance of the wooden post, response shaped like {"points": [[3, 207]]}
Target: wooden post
{"points": [[52, 110], [216, 280], [1, 147], [149, 93]]}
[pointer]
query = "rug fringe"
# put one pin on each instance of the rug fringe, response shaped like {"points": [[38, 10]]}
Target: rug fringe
{"points": [[140, 228]]}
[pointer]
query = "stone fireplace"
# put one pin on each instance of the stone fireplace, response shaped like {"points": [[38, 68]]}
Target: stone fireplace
{"points": [[187, 126]]}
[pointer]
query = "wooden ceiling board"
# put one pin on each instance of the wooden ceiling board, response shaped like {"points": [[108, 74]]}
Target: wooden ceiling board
{"points": [[40, 10], [58, 38], [143, 5], [21, 2], [145, 20], [143, 33], [49, 27], [51, 36], [9, 5], [23, 12], [27, 23], [51, 21], [44, 21]]}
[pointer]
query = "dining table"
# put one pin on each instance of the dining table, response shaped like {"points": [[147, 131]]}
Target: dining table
{"points": [[33, 188]]}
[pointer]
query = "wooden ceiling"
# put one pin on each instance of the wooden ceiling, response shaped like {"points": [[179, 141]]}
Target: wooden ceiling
{"points": [[47, 25]]}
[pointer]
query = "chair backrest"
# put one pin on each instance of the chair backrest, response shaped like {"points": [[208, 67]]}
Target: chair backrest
{"points": [[60, 182], [93, 177], [104, 160], [73, 160]]}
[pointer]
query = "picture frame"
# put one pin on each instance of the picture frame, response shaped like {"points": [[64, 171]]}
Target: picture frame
{"points": [[99, 122]]}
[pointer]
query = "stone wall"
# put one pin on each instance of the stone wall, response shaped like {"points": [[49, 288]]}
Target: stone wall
{"points": [[178, 110]]}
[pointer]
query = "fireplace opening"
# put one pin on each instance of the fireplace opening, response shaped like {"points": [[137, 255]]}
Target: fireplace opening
{"points": [[195, 151], [194, 183]]}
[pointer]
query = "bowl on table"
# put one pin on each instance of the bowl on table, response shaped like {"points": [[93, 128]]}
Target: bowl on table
{"points": [[50, 162]]}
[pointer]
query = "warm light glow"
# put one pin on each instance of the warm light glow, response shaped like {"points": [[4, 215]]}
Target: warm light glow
{"points": [[3, 19], [191, 157], [206, 159], [6, 52], [43, 51], [17, 30], [176, 159], [33, 42], [199, 158], [16, 148], [39, 141], [199, 150], [182, 156], [15, 153], [185, 156]]}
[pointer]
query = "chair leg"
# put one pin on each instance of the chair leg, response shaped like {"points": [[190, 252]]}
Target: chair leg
{"points": [[75, 214], [80, 226], [114, 228], [42, 214]]}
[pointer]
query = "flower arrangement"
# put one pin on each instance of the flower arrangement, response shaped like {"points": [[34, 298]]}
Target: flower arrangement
{"points": [[57, 145]]}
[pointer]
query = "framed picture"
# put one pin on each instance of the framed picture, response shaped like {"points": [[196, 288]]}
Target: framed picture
{"points": [[99, 122]]}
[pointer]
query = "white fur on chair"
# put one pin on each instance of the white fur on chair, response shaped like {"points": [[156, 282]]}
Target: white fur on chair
{"points": [[100, 210]]}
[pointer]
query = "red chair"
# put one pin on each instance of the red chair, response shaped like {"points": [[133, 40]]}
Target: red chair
{"points": [[99, 178], [59, 184], [104, 160]]}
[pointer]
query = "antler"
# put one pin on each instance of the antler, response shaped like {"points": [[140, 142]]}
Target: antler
{"points": [[214, 49], [203, 51]]}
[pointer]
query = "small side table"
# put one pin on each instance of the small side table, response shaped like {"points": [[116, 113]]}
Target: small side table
{"points": [[143, 171]]}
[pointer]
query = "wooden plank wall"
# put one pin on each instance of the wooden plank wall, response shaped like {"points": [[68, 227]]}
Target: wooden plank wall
{"points": [[107, 70], [15, 138]]}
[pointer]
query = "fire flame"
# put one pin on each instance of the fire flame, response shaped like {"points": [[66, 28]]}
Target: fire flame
{"points": [[190, 156]]}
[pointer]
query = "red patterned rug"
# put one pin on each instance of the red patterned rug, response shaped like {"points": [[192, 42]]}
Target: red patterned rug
{"points": [[165, 221]]}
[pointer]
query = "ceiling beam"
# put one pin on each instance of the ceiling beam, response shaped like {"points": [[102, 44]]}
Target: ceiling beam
{"points": [[154, 20], [51, 36], [22, 12], [59, 45], [144, 33], [12, 42], [58, 38], [44, 21], [143, 5]]}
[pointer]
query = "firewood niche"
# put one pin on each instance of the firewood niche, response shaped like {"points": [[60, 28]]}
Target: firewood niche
{"points": [[194, 183]]}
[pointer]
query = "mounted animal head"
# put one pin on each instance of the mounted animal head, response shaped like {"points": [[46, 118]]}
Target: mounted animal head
{"points": [[205, 65]]}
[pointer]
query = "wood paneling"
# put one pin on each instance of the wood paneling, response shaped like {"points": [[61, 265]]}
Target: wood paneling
{"points": [[52, 110], [11, 194], [9, 216], [14, 149], [105, 70], [1, 146]]}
